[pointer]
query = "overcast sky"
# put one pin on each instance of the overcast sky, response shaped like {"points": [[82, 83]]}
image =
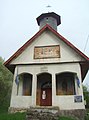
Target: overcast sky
{"points": [[18, 23]]}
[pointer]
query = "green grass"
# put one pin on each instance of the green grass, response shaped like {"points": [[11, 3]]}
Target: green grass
{"points": [[4, 115], [15, 116]]}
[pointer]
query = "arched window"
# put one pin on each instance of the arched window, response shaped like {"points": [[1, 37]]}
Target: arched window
{"points": [[65, 83], [64, 87], [26, 79]]}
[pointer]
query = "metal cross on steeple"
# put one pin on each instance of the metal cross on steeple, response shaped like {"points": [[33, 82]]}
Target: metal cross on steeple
{"points": [[48, 6]]}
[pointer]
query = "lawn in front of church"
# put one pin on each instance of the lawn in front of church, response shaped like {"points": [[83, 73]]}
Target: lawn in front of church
{"points": [[4, 115], [15, 116]]}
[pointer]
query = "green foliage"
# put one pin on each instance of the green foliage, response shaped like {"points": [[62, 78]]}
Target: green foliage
{"points": [[87, 117], [87, 114], [5, 85], [86, 95], [15, 116]]}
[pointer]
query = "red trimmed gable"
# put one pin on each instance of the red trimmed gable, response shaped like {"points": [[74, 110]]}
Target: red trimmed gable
{"points": [[84, 64], [20, 50]]}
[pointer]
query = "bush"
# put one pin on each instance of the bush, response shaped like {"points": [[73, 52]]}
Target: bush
{"points": [[86, 95], [6, 78], [87, 115]]}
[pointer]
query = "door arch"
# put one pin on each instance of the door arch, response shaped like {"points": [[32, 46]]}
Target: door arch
{"points": [[44, 89]]}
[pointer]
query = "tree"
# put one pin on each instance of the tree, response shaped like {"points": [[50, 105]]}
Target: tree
{"points": [[5, 83], [86, 95]]}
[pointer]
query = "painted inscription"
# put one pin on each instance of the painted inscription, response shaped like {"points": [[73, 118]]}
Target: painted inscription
{"points": [[47, 52]]}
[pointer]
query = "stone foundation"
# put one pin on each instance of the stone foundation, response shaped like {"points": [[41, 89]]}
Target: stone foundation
{"points": [[14, 110], [77, 113], [42, 113], [49, 113]]}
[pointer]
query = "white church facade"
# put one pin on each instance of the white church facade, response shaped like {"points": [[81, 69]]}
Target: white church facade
{"points": [[48, 70]]}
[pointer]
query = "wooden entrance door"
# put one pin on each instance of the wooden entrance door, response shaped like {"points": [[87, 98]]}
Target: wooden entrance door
{"points": [[46, 97]]}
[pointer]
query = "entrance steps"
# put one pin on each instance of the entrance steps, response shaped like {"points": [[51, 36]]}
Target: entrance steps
{"points": [[42, 113], [53, 113]]}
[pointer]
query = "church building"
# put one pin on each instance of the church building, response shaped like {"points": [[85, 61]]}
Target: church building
{"points": [[48, 70]]}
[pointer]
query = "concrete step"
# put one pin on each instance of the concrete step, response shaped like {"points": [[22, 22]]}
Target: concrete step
{"points": [[42, 113], [53, 113]]}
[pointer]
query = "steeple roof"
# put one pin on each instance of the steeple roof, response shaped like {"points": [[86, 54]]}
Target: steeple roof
{"points": [[49, 14]]}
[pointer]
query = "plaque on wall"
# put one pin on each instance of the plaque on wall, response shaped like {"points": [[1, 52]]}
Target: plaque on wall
{"points": [[78, 98], [41, 52], [44, 69]]}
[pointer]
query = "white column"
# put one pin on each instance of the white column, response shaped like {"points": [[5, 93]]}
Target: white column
{"points": [[14, 87], [53, 89], [76, 86], [34, 88]]}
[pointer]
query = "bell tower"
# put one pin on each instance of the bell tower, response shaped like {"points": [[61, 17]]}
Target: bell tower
{"points": [[49, 18]]}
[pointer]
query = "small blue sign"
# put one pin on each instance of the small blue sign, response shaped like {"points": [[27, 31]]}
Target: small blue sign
{"points": [[78, 98]]}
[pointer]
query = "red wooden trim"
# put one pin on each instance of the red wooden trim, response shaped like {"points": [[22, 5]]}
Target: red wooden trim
{"points": [[20, 50], [68, 43]]}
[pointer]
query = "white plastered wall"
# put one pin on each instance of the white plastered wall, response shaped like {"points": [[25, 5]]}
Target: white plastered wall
{"points": [[64, 102], [47, 39]]}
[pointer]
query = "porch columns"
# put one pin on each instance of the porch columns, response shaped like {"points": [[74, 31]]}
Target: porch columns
{"points": [[34, 85], [53, 89]]}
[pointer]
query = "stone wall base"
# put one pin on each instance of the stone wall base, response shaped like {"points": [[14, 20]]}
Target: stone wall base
{"points": [[77, 113], [49, 113], [14, 110]]}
